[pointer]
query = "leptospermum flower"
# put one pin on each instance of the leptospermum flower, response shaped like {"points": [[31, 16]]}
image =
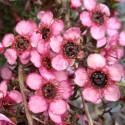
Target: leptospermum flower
{"points": [[49, 95], [67, 48], [99, 80], [47, 28], [97, 18], [20, 44]]}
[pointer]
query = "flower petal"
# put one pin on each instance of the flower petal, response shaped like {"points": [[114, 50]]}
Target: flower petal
{"points": [[25, 57], [6, 73], [112, 93], [90, 95], [46, 74], [97, 32], [37, 104], [55, 43], [113, 23], [35, 58], [96, 61], [3, 87], [8, 39], [46, 17], [80, 77], [122, 38], [15, 96], [104, 9], [89, 4], [101, 42], [4, 118], [72, 33], [75, 4], [24, 27], [59, 62], [57, 26], [116, 72], [56, 118], [58, 107], [86, 19], [11, 56], [1, 48], [34, 81], [67, 89]]}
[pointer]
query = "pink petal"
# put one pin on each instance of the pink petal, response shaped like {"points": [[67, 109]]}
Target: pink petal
{"points": [[4, 118], [1, 48], [24, 27], [25, 57], [113, 23], [61, 75], [11, 56], [15, 96], [112, 93], [122, 38], [96, 61], [40, 14], [35, 37], [56, 118], [97, 32], [55, 43], [81, 54], [3, 87], [34, 81], [47, 17], [57, 27], [46, 74], [120, 52], [75, 4], [90, 95], [112, 32], [101, 42], [42, 47], [116, 72], [35, 58], [67, 89], [8, 39], [86, 19], [89, 4], [104, 9], [37, 104], [80, 77], [59, 62], [72, 33], [58, 107], [6, 73]]}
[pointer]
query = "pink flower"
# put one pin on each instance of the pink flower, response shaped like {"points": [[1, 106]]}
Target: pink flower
{"points": [[3, 90], [21, 44], [48, 94], [1, 48], [75, 4], [99, 80], [97, 18], [5, 121], [67, 48], [48, 27]]}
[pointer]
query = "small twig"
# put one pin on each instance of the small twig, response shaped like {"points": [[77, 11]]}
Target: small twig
{"points": [[22, 89], [38, 119], [90, 121]]}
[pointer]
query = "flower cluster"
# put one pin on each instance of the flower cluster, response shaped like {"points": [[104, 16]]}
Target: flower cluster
{"points": [[56, 59]]}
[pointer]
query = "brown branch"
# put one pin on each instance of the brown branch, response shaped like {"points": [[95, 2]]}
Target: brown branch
{"points": [[22, 89], [90, 121]]}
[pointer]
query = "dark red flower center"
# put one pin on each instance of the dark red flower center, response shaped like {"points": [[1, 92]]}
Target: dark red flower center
{"points": [[22, 43], [45, 33], [98, 79], [70, 49], [49, 91], [98, 17], [47, 62]]}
